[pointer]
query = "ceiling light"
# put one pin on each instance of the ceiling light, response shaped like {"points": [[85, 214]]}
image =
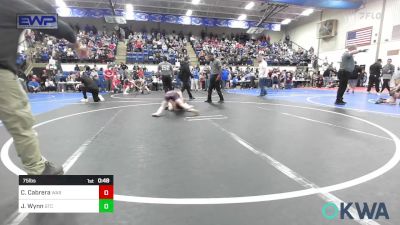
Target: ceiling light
{"points": [[129, 15], [307, 12], [61, 4], [242, 17], [189, 12], [286, 21], [64, 11], [249, 5], [129, 7], [195, 2]]}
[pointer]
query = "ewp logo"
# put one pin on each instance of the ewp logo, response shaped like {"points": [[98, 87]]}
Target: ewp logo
{"points": [[377, 211], [37, 21]]}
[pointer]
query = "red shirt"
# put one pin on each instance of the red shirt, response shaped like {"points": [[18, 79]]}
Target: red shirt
{"points": [[110, 55], [140, 73], [115, 83], [108, 74], [138, 44], [111, 46]]}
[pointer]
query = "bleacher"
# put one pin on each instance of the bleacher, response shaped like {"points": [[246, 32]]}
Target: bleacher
{"points": [[150, 56]]}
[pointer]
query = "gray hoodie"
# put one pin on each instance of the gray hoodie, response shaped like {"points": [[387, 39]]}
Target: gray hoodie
{"points": [[387, 71]]}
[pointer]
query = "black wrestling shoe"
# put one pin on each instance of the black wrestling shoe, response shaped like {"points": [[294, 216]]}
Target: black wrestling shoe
{"points": [[340, 103], [208, 101], [221, 101], [52, 169]]}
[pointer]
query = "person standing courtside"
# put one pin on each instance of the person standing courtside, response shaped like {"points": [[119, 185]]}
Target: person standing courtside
{"points": [[346, 69], [15, 110], [185, 75], [387, 73], [374, 75], [224, 76], [262, 76], [215, 78], [166, 71]]}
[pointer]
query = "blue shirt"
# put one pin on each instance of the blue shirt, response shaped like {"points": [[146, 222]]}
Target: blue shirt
{"points": [[196, 74], [225, 74], [235, 80], [34, 84]]}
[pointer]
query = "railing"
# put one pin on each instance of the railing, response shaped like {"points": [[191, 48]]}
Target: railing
{"points": [[301, 47]]}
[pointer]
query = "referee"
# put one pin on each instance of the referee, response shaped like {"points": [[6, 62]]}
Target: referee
{"points": [[167, 71], [346, 70], [15, 110], [215, 78]]}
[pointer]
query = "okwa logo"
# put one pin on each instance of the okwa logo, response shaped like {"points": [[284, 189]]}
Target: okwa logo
{"points": [[345, 211]]}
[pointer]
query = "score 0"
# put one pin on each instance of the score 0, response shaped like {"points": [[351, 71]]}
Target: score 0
{"points": [[106, 198]]}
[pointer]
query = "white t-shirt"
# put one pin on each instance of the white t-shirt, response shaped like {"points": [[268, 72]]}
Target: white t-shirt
{"points": [[49, 83], [52, 62], [263, 69]]}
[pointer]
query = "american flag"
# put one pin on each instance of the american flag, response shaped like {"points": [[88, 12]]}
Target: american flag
{"points": [[359, 37]]}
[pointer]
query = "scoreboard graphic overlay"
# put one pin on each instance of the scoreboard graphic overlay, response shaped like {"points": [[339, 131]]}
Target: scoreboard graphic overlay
{"points": [[66, 194]]}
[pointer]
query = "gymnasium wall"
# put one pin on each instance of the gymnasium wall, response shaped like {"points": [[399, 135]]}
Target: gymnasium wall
{"points": [[139, 26], [392, 18], [304, 31]]}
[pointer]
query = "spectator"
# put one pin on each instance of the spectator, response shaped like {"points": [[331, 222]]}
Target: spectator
{"points": [[275, 80], [117, 85], [353, 78], [140, 73], [52, 63], [224, 76], [327, 76], [155, 81], [196, 78], [50, 86], [94, 75], [21, 60], [108, 75], [235, 81], [33, 86], [77, 68], [387, 73], [263, 73], [374, 76], [59, 77], [206, 76]]}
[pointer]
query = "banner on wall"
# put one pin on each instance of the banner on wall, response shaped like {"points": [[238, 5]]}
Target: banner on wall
{"points": [[328, 4], [184, 20], [393, 52], [396, 32]]}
